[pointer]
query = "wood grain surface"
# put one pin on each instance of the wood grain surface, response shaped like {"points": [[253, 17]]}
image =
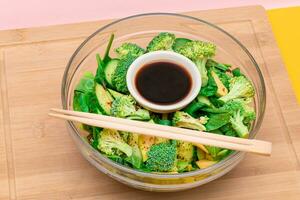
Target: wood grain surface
{"points": [[38, 159]]}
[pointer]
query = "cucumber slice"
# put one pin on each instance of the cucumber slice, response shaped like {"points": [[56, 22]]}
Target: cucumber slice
{"points": [[104, 98], [109, 70]]}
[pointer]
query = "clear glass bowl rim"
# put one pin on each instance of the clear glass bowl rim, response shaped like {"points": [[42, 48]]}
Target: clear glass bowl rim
{"points": [[235, 156]]}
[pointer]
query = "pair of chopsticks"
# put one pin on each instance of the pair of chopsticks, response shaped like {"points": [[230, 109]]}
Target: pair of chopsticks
{"points": [[193, 136]]}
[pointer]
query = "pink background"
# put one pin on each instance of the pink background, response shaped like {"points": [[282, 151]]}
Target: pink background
{"points": [[29, 13]]}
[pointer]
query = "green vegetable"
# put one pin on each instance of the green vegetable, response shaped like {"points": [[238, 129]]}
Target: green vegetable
{"points": [[237, 124], [237, 72], [111, 143], [200, 154], [163, 41], [104, 99], [214, 64], [95, 131], [194, 108], [210, 88], [185, 151], [205, 101], [136, 158], [240, 87], [200, 104], [179, 42], [119, 76], [223, 106], [115, 94], [81, 102], [217, 120], [223, 153], [221, 89], [182, 166], [100, 75], [125, 107], [86, 83], [198, 52], [109, 70], [213, 151], [184, 120], [132, 139], [228, 130], [223, 76], [129, 49], [84, 99], [165, 122], [106, 57], [162, 157], [117, 159]]}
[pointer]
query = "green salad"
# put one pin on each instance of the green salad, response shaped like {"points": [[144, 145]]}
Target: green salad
{"points": [[223, 106]]}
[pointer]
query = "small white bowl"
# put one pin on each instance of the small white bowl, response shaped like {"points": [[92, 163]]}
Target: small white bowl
{"points": [[166, 56]]}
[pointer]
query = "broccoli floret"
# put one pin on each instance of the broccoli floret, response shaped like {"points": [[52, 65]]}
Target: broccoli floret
{"points": [[239, 87], [111, 143], [184, 120], [234, 105], [198, 52], [163, 41], [119, 76], [237, 124], [242, 105], [129, 48], [125, 107], [179, 42], [162, 157]]}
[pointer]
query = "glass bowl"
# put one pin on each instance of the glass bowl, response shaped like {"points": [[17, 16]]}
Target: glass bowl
{"points": [[140, 29]]}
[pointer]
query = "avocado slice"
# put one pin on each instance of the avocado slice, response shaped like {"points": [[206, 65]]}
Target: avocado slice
{"points": [[205, 163], [104, 98], [200, 154], [222, 90], [185, 151], [202, 147], [133, 139], [145, 142]]}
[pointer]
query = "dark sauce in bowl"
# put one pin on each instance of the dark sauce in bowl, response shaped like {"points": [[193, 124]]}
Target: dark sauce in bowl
{"points": [[163, 82]]}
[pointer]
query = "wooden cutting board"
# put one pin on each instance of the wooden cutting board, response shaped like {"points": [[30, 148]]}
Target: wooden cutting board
{"points": [[38, 159]]}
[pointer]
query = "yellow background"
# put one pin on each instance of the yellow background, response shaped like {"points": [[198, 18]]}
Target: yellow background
{"points": [[286, 27]]}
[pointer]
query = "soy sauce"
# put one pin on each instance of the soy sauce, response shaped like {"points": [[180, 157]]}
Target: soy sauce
{"points": [[163, 82]]}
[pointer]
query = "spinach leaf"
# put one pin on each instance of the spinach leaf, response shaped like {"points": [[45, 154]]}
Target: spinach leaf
{"points": [[237, 72], [106, 57], [215, 101], [211, 88], [95, 136], [116, 158], [213, 63], [194, 107], [99, 78], [86, 83], [217, 120], [228, 130]]}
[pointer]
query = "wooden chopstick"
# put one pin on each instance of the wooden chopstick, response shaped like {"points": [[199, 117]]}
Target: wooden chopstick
{"points": [[247, 145], [158, 127]]}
